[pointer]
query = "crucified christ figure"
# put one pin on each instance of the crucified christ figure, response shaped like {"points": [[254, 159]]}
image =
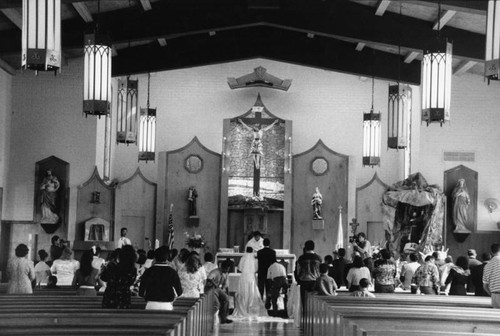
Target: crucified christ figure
{"points": [[257, 148]]}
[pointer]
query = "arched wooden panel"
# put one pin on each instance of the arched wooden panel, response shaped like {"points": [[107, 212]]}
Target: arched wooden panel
{"points": [[369, 212], [328, 170], [135, 209]]}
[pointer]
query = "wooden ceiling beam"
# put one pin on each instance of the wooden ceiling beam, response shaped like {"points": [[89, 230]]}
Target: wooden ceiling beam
{"points": [[479, 7], [410, 56], [382, 7], [443, 19], [270, 43], [463, 67], [162, 42], [83, 11], [146, 5], [14, 16], [360, 46]]}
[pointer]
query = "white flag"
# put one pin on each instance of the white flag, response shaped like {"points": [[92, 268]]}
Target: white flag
{"points": [[340, 232]]}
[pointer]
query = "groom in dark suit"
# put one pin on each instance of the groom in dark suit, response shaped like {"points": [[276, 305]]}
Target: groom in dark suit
{"points": [[266, 258]]}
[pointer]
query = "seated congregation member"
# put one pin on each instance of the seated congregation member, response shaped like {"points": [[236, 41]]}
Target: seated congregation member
{"points": [[444, 271], [357, 272], [339, 268], [276, 274], [42, 270], [20, 272], [325, 285], [459, 277], [217, 281], [363, 289], [52, 282], [248, 303], [97, 261], [192, 276], [426, 277], [408, 270], [119, 276], [384, 273], [160, 283], [209, 265], [150, 258], [86, 276], [55, 249], [65, 267], [328, 259], [476, 274], [179, 262], [139, 265]]}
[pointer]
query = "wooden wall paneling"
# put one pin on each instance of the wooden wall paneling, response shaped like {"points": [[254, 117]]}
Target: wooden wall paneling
{"points": [[225, 234], [5, 230], [135, 209], [369, 206], [86, 208], [333, 185], [207, 183]]}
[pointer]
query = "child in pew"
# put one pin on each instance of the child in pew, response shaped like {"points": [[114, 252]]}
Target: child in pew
{"points": [[325, 284], [363, 289], [52, 282]]}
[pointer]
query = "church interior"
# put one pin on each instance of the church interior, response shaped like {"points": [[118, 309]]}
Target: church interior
{"points": [[206, 121]]}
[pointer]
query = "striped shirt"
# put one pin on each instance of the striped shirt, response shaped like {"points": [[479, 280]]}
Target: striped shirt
{"points": [[491, 275]]}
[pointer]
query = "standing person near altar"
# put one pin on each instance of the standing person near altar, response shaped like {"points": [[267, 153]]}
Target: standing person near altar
{"points": [[307, 269], [256, 243], [265, 257], [123, 238], [364, 247]]}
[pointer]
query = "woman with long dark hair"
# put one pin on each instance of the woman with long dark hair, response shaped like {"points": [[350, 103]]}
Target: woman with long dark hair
{"points": [[357, 272], [119, 277], [459, 274], [86, 276], [192, 276]]}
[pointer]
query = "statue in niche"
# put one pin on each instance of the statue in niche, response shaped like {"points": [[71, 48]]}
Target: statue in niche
{"points": [[316, 202], [192, 195], [257, 149], [48, 198], [461, 202]]}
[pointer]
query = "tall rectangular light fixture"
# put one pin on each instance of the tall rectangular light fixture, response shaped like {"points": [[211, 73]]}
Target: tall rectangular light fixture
{"points": [[371, 138], [147, 134], [97, 74], [398, 116], [127, 111], [436, 84], [41, 35], [492, 61]]}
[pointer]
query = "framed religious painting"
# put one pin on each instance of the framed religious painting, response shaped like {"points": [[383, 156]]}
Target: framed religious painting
{"points": [[50, 208]]}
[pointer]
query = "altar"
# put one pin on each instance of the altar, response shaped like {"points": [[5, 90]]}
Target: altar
{"points": [[235, 256]]}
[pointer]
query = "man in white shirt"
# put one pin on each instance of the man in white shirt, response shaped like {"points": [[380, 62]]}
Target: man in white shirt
{"points": [[277, 274], [256, 242], [123, 239]]}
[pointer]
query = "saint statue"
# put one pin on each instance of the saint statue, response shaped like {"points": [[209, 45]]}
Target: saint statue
{"points": [[461, 202], [257, 149], [49, 187], [316, 202], [192, 195]]}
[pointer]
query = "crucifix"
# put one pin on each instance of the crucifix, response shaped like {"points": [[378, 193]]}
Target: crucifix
{"points": [[257, 148], [354, 226]]}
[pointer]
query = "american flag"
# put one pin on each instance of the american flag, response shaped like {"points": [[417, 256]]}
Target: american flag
{"points": [[170, 238]]}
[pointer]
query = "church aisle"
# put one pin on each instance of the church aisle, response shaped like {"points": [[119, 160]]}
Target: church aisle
{"points": [[248, 328]]}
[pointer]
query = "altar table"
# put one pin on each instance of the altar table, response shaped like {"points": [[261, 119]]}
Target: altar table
{"points": [[290, 258]]}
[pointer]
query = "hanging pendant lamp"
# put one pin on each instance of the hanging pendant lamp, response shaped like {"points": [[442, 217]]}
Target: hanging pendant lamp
{"points": [[127, 111], [147, 131], [371, 135], [492, 61], [41, 35], [436, 81]]}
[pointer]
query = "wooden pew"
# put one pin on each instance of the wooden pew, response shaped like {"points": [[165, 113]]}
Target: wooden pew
{"points": [[326, 314], [84, 316]]}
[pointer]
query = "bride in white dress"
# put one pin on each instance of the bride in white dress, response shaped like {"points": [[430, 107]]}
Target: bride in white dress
{"points": [[248, 303]]}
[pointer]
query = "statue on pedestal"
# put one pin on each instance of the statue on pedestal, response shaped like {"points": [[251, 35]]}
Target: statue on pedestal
{"points": [[192, 195], [461, 202], [316, 202]]}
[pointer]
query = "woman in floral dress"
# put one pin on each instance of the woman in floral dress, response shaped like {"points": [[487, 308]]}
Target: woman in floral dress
{"points": [[119, 277], [192, 276]]}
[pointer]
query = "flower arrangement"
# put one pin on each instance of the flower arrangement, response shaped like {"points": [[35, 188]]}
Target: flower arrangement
{"points": [[195, 240]]}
